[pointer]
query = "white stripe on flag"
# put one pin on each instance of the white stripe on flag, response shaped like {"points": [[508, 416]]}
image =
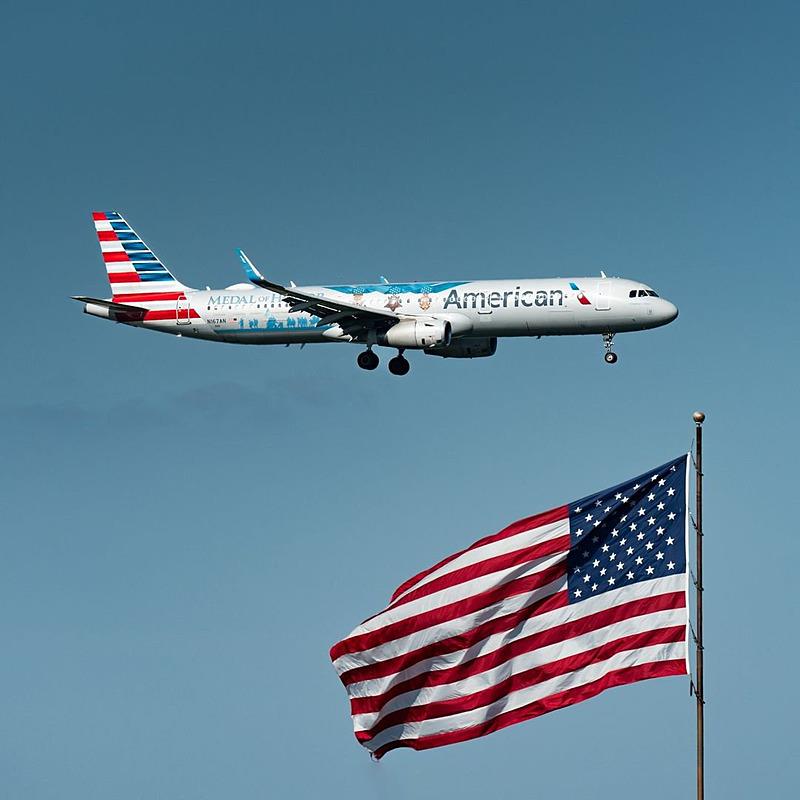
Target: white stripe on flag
{"points": [[461, 591], [475, 555], [669, 618], [516, 700], [438, 631], [532, 625]]}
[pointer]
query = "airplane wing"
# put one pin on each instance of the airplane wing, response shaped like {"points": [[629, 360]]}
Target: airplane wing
{"points": [[352, 318]]}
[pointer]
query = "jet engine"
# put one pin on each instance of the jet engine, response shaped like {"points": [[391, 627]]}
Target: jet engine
{"points": [[466, 347], [419, 333]]}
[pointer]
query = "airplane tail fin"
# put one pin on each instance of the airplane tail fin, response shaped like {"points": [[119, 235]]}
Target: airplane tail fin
{"points": [[137, 276]]}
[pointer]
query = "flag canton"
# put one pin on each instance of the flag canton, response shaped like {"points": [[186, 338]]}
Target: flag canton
{"points": [[633, 532]]}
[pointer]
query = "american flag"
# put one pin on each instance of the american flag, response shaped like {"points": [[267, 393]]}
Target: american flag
{"points": [[552, 610]]}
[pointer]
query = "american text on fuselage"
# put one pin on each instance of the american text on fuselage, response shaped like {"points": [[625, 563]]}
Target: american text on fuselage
{"points": [[505, 299]]}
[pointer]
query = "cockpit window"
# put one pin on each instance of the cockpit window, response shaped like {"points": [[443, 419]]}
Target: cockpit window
{"points": [[632, 293], [651, 293], [642, 293]]}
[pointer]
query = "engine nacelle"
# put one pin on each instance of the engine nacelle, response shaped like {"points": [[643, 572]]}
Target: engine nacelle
{"points": [[419, 333], [466, 347]]}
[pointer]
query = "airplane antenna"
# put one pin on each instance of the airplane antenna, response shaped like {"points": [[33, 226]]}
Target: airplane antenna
{"points": [[602, 274], [383, 279]]}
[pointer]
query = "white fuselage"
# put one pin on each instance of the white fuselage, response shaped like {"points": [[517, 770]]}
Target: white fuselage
{"points": [[246, 314]]}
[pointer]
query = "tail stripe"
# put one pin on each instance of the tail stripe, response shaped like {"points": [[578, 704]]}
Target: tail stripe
{"points": [[131, 263]]}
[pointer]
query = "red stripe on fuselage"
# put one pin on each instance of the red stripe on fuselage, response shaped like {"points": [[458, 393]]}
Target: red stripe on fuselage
{"points": [[168, 313], [144, 297]]}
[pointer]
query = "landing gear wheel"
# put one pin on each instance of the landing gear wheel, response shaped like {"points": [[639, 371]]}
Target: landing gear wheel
{"points": [[367, 360], [399, 365], [610, 356]]}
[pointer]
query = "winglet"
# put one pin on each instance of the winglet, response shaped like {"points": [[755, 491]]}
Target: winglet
{"points": [[252, 273], [255, 277]]}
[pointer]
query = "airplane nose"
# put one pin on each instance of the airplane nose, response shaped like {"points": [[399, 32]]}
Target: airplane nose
{"points": [[668, 311]]}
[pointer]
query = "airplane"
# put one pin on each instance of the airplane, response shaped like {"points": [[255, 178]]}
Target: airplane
{"points": [[450, 319]]}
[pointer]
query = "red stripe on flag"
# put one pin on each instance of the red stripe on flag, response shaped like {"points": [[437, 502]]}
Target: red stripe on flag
{"points": [[620, 677], [487, 567], [116, 256], [554, 635], [107, 236], [392, 666], [528, 678], [527, 524], [449, 611], [98, 215], [147, 297], [124, 277]]}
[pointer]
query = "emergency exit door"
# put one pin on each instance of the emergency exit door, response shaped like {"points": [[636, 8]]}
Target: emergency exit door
{"points": [[182, 311], [602, 303]]}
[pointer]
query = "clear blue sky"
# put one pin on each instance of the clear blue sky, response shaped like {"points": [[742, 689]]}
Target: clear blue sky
{"points": [[187, 527]]}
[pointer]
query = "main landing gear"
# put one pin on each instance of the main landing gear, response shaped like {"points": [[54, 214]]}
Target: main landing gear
{"points": [[397, 366], [610, 357], [367, 360]]}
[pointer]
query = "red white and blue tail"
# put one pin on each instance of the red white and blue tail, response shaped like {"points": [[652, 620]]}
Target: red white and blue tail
{"points": [[136, 274]]}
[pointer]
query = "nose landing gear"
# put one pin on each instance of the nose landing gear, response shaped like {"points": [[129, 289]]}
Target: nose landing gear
{"points": [[367, 359], [610, 356]]}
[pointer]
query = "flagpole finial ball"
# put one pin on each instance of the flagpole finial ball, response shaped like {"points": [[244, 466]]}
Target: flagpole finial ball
{"points": [[699, 417]]}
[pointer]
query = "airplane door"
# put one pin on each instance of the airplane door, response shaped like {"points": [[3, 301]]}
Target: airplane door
{"points": [[182, 311], [602, 303]]}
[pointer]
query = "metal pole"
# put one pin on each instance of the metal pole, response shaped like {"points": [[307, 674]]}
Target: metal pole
{"points": [[699, 418]]}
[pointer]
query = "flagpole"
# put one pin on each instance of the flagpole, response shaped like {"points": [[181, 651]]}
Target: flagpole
{"points": [[699, 418]]}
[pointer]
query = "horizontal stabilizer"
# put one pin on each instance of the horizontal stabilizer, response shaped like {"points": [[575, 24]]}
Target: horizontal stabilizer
{"points": [[108, 309], [110, 305]]}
